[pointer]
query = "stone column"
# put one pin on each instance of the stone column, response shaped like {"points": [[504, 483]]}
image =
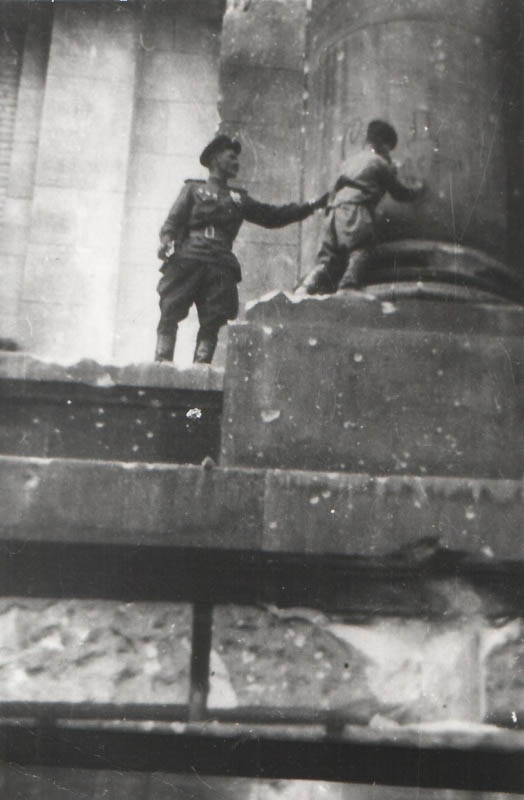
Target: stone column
{"points": [[69, 282], [439, 72], [262, 85], [22, 156]]}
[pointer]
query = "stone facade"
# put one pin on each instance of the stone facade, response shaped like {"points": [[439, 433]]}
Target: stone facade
{"points": [[113, 104]]}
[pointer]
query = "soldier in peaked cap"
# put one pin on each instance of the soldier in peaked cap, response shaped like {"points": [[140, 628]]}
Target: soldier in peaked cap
{"points": [[196, 240]]}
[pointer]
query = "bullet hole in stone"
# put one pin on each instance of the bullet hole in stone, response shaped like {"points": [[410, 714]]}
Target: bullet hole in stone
{"points": [[31, 480], [270, 415]]}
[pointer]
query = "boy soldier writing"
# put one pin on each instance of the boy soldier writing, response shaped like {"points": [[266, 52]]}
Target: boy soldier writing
{"points": [[196, 240], [364, 180]]}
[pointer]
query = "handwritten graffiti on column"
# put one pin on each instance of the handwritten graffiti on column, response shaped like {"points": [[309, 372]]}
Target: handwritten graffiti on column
{"points": [[420, 149], [353, 138], [424, 154]]}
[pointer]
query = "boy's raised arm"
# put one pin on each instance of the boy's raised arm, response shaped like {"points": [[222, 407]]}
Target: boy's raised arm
{"points": [[398, 190]]}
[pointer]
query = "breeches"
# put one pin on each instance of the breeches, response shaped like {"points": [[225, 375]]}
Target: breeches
{"points": [[209, 286], [348, 227]]}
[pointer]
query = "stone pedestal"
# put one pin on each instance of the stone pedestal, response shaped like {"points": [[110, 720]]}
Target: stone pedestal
{"points": [[403, 390], [352, 383]]}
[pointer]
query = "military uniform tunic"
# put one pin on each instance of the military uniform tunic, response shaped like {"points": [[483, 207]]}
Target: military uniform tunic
{"points": [[350, 225], [203, 222]]}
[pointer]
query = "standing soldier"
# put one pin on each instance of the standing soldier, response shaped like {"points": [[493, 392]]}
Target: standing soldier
{"points": [[196, 241]]}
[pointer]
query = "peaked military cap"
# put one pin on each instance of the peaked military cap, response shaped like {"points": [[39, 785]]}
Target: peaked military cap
{"points": [[217, 145]]}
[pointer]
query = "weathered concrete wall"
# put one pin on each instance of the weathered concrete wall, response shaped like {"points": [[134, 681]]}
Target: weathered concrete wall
{"points": [[397, 670], [141, 412], [100, 651], [386, 669], [409, 649], [262, 85]]}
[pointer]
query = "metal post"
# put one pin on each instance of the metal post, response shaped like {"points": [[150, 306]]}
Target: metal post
{"points": [[200, 655]]}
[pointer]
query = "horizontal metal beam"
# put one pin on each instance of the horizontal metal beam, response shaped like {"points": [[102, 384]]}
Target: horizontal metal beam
{"points": [[478, 769], [56, 712], [142, 573]]}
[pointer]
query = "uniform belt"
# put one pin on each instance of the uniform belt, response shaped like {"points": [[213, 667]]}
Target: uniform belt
{"points": [[212, 234]]}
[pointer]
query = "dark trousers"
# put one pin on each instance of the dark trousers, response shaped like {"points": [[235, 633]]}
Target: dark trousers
{"points": [[348, 228], [210, 286]]}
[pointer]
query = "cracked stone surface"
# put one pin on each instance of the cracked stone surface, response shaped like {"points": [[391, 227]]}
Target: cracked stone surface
{"points": [[86, 651], [139, 652]]}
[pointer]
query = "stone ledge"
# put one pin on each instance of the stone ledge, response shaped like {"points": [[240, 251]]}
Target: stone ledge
{"points": [[364, 309], [24, 367], [404, 519], [69, 500], [407, 517]]}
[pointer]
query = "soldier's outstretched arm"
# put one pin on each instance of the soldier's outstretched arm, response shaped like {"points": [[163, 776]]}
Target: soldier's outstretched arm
{"points": [[176, 221], [270, 216]]}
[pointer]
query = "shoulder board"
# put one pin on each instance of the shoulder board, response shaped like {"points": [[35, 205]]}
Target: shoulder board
{"points": [[194, 180]]}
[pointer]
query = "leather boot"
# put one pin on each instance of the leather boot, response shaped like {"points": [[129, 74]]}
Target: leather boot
{"points": [[165, 346], [205, 348], [315, 282]]}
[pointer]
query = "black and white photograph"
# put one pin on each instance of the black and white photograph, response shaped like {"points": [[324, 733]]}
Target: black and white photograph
{"points": [[261, 399]]}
